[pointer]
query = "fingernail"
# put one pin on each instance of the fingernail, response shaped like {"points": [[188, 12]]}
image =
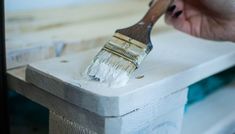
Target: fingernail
{"points": [[171, 8], [150, 3], [177, 14]]}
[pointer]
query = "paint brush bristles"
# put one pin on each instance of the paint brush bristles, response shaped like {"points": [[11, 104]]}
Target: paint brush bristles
{"points": [[111, 69], [117, 60]]}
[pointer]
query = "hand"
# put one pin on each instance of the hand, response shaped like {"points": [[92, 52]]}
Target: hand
{"points": [[209, 19]]}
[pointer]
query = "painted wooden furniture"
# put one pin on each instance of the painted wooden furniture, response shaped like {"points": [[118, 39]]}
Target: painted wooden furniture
{"points": [[171, 67], [152, 102]]}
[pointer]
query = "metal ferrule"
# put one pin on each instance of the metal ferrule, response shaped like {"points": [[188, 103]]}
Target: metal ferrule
{"points": [[127, 48]]}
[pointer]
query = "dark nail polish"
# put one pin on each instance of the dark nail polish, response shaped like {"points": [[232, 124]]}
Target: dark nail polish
{"points": [[150, 3], [177, 14], [171, 8]]}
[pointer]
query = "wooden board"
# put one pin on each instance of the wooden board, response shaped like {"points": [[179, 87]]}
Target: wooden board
{"points": [[169, 123], [159, 116], [214, 115], [176, 62]]}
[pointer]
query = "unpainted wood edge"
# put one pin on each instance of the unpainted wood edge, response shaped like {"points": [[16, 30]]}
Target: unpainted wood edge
{"points": [[58, 124]]}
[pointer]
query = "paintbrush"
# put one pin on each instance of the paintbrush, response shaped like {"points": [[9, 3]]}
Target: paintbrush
{"points": [[125, 51]]}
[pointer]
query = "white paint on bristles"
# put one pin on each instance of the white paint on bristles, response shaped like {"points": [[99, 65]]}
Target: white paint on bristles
{"points": [[110, 69]]}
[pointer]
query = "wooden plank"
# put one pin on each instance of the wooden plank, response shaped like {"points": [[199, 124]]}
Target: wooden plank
{"points": [[177, 61], [166, 124], [60, 12], [77, 14], [152, 118], [86, 31], [60, 125], [21, 56], [23, 53], [157, 116], [214, 115]]}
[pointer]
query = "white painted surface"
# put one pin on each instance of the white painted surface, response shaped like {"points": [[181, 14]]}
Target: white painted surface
{"points": [[214, 115], [176, 62], [169, 123], [161, 115], [114, 74]]}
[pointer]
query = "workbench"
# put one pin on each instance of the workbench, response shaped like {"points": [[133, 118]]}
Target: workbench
{"points": [[42, 42]]}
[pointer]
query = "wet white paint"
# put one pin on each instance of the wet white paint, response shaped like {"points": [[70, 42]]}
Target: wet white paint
{"points": [[110, 69]]}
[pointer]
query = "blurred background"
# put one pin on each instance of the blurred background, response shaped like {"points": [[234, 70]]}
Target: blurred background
{"points": [[24, 5]]}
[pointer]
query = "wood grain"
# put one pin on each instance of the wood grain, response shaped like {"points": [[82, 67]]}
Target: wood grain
{"points": [[60, 125]]}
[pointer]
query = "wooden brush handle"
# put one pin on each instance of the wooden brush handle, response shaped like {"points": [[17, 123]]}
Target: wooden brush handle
{"points": [[157, 9], [142, 30]]}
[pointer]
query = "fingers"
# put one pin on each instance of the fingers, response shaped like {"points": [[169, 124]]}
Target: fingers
{"points": [[175, 16], [174, 12], [150, 3]]}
